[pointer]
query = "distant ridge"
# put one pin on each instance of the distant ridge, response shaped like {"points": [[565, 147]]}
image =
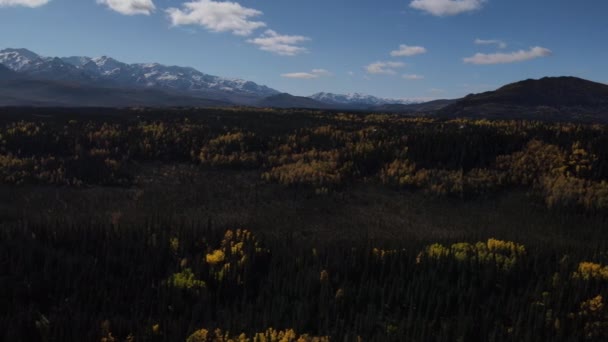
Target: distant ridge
{"points": [[285, 100], [423, 107], [552, 98], [25, 92], [357, 100]]}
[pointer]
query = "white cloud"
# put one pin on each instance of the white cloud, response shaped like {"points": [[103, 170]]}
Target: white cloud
{"points": [[446, 7], [413, 77], [129, 7], [301, 75], [26, 3], [387, 68], [405, 50], [321, 72], [217, 16], [283, 45], [502, 58], [315, 73], [499, 43]]}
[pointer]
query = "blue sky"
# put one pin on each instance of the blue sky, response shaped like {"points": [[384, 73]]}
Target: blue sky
{"points": [[388, 48]]}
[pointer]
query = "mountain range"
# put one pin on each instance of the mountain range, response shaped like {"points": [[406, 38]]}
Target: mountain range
{"points": [[106, 72], [357, 100], [105, 75], [28, 79]]}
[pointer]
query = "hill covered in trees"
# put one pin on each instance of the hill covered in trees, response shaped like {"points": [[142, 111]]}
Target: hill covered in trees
{"points": [[552, 98]]}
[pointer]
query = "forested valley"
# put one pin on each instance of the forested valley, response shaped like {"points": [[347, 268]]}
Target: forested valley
{"points": [[298, 225]]}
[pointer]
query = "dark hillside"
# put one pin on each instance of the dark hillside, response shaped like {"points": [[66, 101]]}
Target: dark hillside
{"points": [[7, 74], [289, 101], [16, 90], [560, 98]]}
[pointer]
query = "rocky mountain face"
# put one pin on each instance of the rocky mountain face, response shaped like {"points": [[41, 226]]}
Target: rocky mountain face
{"points": [[106, 71]]}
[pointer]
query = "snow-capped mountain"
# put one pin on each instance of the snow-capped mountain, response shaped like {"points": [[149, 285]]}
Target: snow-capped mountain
{"points": [[357, 99], [108, 71], [76, 61], [17, 59], [177, 83], [47, 68]]}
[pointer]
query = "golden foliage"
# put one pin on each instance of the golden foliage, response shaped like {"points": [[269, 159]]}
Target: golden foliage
{"points": [[580, 161], [593, 305], [591, 271], [17, 170], [186, 280], [201, 335], [503, 254], [317, 173], [216, 257], [437, 251], [595, 318], [569, 191], [236, 249], [403, 173], [534, 162], [231, 149], [400, 173], [563, 162], [269, 335]]}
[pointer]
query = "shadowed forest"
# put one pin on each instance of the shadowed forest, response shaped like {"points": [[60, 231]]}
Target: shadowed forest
{"points": [[286, 225]]}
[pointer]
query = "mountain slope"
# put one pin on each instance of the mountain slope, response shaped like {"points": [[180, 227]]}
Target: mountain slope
{"points": [[285, 100], [548, 91], [559, 98], [17, 59], [108, 72], [6, 73], [423, 107], [32, 92]]}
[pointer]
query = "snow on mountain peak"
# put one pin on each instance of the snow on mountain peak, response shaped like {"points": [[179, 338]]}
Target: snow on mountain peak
{"points": [[76, 61], [186, 79], [111, 71], [102, 60], [106, 65], [357, 99], [17, 59]]}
